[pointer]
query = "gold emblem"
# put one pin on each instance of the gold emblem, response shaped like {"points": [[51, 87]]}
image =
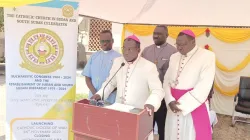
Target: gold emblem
{"points": [[41, 50], [68, 11]]}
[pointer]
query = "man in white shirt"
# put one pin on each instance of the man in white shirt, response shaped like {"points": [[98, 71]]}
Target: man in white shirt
{"points": [[97, 69], [187, 83], [137, 81]]}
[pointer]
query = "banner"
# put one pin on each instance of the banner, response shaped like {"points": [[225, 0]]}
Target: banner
{"points": [[41, 50]]}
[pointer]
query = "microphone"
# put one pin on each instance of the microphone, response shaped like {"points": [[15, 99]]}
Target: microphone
{"points": [[122, 64]]}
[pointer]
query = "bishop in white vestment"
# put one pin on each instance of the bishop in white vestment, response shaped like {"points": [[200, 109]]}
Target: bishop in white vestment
{"points": [[137, 82], [187, 84]]}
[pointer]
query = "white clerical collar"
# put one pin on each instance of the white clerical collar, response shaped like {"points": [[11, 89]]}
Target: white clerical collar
{"points": [[106, 51], [192, 51], [163, 45]]}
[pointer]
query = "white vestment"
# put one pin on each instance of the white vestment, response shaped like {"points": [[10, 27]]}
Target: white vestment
{"points": [[137, 83], [197, 72]]}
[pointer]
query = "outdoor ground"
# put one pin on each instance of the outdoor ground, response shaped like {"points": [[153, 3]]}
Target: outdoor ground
{"points": [[222, 131]]}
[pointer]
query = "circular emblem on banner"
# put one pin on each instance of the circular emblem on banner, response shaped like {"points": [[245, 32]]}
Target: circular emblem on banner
{"points": [[68, 11], [41, 50]]}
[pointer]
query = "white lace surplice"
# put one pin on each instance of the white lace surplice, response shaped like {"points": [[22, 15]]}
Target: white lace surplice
{"points": [[197, 73]]}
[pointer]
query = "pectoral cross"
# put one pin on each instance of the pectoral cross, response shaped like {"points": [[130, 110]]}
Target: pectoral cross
{"points": [[174, 83]]}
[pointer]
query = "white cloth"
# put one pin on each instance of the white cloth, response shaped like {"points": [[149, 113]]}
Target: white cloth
{"points": [[137, 83], [156, 129], [213, 118], [197, 73]]}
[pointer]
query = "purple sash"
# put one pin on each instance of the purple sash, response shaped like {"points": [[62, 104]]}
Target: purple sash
{"points": [[199, 115]]}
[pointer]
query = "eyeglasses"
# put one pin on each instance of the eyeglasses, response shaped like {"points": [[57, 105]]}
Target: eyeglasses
{"points": [[105, 41]]}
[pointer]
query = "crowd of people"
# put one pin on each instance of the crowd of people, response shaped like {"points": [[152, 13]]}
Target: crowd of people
{"points": [[174, 84]]}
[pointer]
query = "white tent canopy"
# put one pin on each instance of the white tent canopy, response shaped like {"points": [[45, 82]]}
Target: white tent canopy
{"points": [[170, 12]]}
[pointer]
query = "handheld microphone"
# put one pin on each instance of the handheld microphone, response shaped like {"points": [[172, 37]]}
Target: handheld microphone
{"points": [[122, 64]]}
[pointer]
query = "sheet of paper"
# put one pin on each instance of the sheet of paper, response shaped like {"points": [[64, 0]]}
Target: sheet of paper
{"points": [[120, 107]]}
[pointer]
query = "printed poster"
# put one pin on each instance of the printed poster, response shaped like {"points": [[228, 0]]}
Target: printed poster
{"points": [[41, 51]]}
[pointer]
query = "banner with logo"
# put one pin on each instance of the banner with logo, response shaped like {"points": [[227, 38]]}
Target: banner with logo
{"points": [[41, 50]]}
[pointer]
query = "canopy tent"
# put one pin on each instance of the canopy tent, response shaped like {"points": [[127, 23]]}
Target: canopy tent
{"points": [[170, 12], [189, 13], [179, 12]]}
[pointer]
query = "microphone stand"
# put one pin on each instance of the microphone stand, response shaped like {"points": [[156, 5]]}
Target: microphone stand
{"points": [[123, 64]]}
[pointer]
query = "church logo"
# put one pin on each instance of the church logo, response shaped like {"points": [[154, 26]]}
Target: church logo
{"points": [[68, 11], [41, 50]]}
